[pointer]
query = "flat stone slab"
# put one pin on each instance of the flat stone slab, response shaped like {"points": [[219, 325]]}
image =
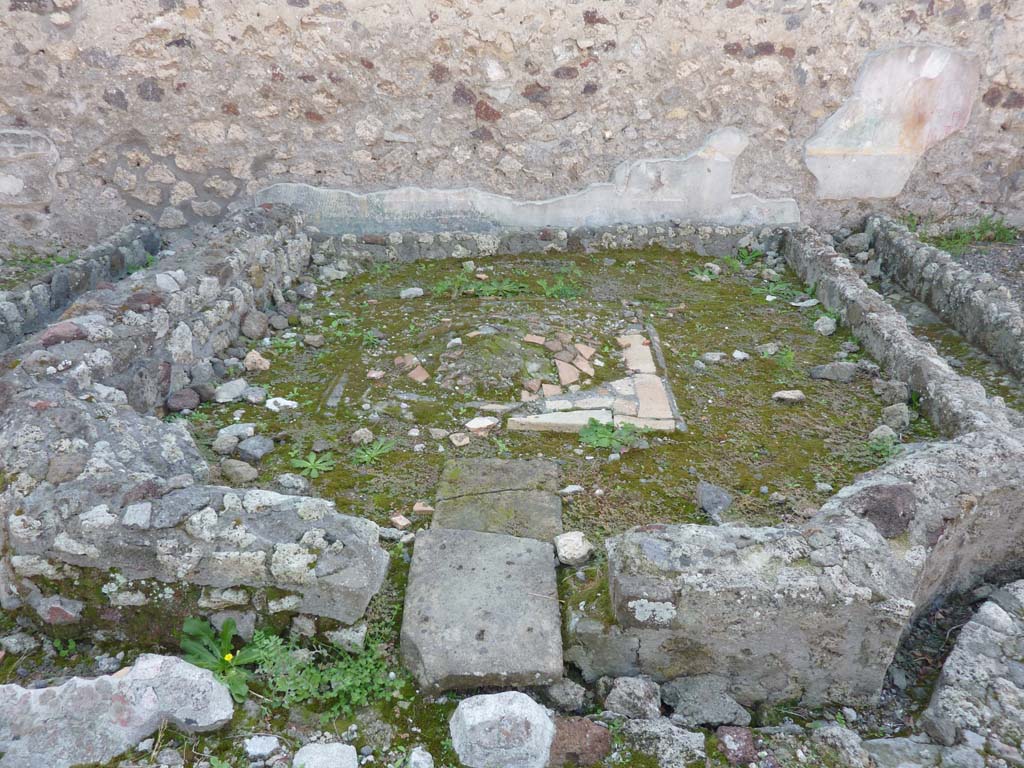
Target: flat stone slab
{"points": [[636, 353], [531, 514], [481, 609], [514, 497], [466, 477], [559, 421]]}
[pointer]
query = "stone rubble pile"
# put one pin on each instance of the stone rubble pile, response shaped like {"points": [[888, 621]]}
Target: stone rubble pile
{"points": [[96, 481]]}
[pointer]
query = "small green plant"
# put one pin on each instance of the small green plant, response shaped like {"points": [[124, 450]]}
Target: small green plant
{"points": [[216, 762], [780, 289], [314, 465], [500, 287], [560, 288], [884, 448], [66, 649], [703, 274], [748, 256], [323, 677], [280, 343], [206, 648], [785, 358], [454, 286], [911, 221], [598, 435], [366, 455]]}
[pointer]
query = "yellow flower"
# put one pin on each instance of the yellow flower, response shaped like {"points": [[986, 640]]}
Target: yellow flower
{"points": [[228, 656]]}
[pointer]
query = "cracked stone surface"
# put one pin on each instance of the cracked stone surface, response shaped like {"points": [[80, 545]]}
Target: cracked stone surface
{"points": [[980, 692], [515, 497]]}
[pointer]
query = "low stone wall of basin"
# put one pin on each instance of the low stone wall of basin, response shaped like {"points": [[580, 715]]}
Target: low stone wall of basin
{"points": [[92, 482], [94, 487], [975, 304], [27, 309], [815, 613], [706, 240]]}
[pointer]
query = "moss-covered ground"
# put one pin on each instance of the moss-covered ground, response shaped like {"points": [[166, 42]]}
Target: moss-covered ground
{"points": [[467, 330]]}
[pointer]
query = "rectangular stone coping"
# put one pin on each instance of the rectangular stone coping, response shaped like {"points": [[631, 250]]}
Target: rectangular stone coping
{"points": [[559, 421], [481, 609]]}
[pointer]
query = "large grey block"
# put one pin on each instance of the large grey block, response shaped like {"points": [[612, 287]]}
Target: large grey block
{"points": [[481, 609]]}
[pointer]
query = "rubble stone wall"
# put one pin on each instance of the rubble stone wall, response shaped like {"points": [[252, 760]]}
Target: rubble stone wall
{"points": [[975, 304], [92, 481], [30, 307], [177, 110]]}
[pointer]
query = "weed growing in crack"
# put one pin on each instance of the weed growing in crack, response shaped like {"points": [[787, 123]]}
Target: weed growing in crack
{"points": [[66, 649], [215, 651], [780, 289], [785, 358], [884, 448], [560, 288], [323, 677], [748, 256], [454, 286], [703, 274]]}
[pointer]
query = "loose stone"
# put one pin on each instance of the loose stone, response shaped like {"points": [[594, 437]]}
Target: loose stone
{"points": [[326, 756], [566, 695], [713, 500], [183, 400], [578, 742], [230, 391], [459, 439], [896, 416], [238, 472], [254, 325], [278, 404], [841, 372], [254, 361], [825, 325], [55, 727], [789, 396], [419, 374], [573, 548], [634, 697], [261, 746], [253, 449], [362, 436], [702, 700], [482, 425], [502, 730], [882, 432]]}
